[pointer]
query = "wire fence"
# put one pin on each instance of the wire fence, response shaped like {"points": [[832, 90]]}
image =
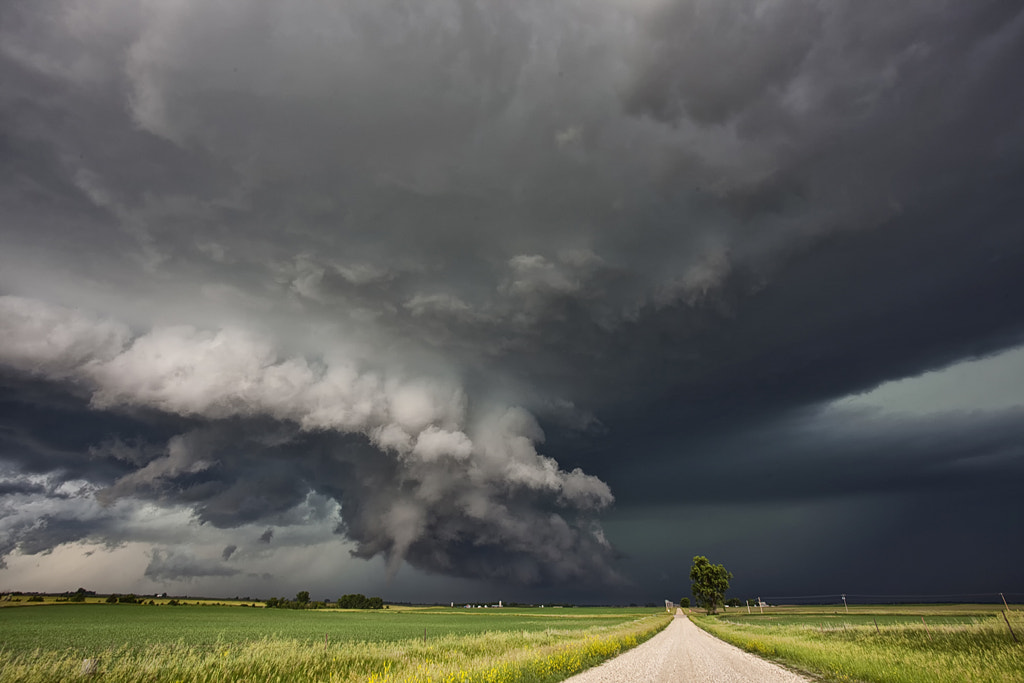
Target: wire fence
{"points": [[895, 598]]}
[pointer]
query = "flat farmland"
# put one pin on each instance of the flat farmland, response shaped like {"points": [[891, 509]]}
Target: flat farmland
{"points": [[882, 644], [165, 643], [89, 628]]}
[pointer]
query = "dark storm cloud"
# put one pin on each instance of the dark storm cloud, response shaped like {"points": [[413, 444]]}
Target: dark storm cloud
{"points": [[243, 471], [55, 511], [53, 531], [711, 61], [51, 430], [9, 488], [851, 312], [834, 453], [171, 565], [441, 263]]}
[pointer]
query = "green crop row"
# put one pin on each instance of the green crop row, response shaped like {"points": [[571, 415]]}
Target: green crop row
{"points": [[540, 655], [90, 628]]}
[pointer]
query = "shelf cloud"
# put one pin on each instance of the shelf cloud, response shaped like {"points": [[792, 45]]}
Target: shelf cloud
{"points": [[485, 294]]}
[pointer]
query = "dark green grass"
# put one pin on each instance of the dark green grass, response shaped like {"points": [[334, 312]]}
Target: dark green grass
{"points": [[90, 628]]}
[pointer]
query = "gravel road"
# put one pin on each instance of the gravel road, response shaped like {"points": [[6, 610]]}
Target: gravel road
{"points": [[682, 653]]}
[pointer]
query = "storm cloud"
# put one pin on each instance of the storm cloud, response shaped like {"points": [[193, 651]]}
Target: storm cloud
{"points": [[475, 287]]}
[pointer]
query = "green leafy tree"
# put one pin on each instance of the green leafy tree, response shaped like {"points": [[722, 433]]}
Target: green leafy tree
{"points": [[684, 602], [359, 601], [709, 583], [302, 597]]}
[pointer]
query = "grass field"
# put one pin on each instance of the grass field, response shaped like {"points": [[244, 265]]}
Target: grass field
{"points": [[215, 643], [882, 644]]}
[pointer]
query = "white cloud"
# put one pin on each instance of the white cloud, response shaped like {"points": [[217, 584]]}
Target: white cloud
{"points": [[53, 340], [434, 443], [231, 373]]}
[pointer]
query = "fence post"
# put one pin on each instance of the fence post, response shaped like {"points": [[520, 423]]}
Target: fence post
{"points": [[1010, 627]]}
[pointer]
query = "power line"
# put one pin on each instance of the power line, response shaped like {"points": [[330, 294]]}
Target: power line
{"points": [[838, 596], [932, 595], [801, 597]]}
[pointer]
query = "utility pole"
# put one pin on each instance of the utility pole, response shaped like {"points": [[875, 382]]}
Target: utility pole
{"points": [[760, 605], [845, 605]]}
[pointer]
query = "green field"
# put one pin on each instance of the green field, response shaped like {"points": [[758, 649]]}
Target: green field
{"points": [[213, 643], [86, 629], [882, 644]]}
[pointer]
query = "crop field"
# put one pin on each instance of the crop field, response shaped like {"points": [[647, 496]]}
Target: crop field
{"points": [[216, 643], [882, 644]]}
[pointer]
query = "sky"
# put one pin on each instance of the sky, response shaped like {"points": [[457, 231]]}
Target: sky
{"points": [[452, 300]]}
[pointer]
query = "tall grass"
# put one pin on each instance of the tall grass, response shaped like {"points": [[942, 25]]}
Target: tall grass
{"points": [[979, 649], [494, 657]]}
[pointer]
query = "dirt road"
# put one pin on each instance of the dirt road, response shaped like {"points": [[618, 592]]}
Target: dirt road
{"points": [[682, 653]]}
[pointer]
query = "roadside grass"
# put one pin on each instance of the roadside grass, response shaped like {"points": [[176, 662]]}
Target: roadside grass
{"points": [[888, 645], [460, 648]]}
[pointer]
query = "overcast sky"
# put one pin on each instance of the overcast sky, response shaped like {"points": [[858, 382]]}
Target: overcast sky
{"points": [[467, 299]]}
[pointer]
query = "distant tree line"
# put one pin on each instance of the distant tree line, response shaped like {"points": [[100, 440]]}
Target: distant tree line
{"points": [[130, 599], [79, 595], [301, 601], [350, 601], [359, 601]]}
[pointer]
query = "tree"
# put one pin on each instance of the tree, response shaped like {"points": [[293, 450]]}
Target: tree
{"points": [[684, 602], [302, 597], [359, 601], [709, 583], [79, 595]]}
